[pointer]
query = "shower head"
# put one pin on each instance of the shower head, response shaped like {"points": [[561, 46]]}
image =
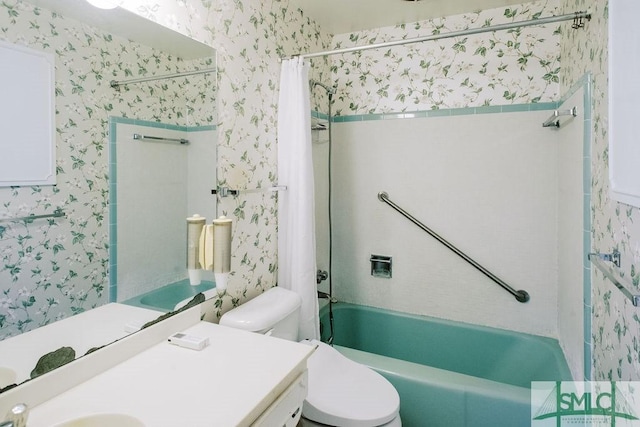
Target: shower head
{"points": [[330, 90]]}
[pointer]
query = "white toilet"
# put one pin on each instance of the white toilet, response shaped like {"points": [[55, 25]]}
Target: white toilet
{"points": [[341, 392]]}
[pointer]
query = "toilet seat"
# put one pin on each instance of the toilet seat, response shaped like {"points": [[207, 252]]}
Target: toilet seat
{"points": [[347, 394]]}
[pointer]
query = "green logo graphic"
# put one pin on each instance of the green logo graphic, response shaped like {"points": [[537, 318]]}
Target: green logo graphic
{"points": [[571, 403]]}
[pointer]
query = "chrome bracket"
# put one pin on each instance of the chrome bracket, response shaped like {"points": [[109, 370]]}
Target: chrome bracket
{"points": [[578, 21], [613, 257], [553, 121], [225, 192]]}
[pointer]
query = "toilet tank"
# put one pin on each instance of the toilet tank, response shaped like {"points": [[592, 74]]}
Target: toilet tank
{"points": [[274, 312]]}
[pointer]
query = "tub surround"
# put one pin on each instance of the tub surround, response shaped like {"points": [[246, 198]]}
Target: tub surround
{"points": [[485, 180], [162, 384]]}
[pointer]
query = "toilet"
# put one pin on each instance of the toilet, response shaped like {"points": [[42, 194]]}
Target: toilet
{"points": [[341, 393]]}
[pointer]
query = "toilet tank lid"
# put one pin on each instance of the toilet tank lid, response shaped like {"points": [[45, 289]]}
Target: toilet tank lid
{"points": [[263, 311]]}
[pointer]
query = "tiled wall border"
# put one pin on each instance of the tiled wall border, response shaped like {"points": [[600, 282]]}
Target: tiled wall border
{"points": [[586, 83], [113, 180], [493, 109]]}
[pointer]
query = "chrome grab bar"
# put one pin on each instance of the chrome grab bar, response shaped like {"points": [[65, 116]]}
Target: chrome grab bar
{"points": [[520, 295]]}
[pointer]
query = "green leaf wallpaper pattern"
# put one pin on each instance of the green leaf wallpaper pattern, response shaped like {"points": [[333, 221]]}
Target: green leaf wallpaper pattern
{"points": [[250, 35], [517, 66], [50, 269], [615, 325]]}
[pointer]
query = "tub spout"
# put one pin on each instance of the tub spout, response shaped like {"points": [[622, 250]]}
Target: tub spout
{"points": [[324, 295]]}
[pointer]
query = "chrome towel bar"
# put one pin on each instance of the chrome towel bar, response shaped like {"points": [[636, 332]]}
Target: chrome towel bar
{"points": [[614, 276], [159, 138], [520, 295], [58, 213], [226, 191], [116, 84]]}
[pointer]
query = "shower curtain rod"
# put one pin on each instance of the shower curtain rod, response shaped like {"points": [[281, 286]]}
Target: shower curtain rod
{"points": [[577, 17], [116, 84]]}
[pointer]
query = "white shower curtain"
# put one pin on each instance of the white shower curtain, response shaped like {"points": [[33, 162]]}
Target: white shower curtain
{"points": [[296, 217]]}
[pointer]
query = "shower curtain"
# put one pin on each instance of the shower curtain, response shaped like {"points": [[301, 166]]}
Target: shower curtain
{"points": [[296, 217]]}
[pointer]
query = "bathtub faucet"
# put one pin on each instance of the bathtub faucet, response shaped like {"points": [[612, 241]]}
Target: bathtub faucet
{"points": [[321, 275]]}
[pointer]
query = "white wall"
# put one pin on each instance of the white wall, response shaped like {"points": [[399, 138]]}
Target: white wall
{"points": [[570, 235], [485, 182]]}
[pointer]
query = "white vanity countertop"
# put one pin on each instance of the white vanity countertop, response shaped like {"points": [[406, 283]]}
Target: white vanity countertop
{"points": [[229, 383], [92, 328]]}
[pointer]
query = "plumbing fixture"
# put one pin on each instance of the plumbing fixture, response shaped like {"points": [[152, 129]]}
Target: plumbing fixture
{"points": [[16, 417], [324, 295], [330, 90], [321, 276]]}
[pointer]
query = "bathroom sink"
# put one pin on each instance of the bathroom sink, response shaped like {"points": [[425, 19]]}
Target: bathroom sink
{"points": [[7, 377], [103, 420]]}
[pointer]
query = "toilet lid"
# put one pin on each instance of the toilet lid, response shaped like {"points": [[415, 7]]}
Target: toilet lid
{"points": [[345, 393]]}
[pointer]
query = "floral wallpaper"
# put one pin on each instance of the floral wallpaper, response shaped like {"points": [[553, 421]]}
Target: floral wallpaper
{"points": [[56, 267], [451, 74], [250, 37], [53, 268], [615, 321], [505, 67]]}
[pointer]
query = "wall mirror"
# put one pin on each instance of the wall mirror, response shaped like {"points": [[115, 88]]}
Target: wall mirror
{"points": [[124, 199]]}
